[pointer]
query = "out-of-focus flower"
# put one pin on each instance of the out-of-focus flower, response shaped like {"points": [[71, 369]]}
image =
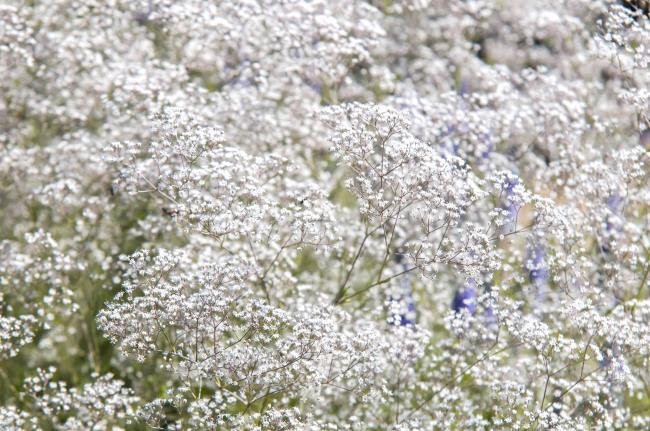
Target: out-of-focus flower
{"points": [[465, 298]]}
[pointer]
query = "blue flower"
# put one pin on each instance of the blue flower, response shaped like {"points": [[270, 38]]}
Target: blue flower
{"points": [[401, 302], [489, 146], [536, 265], [613, 221], [537, 274], [465, 298], [509, 205]]}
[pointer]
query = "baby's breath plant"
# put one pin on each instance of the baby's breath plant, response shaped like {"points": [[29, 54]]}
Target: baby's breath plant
{"points": [[268, 215]]}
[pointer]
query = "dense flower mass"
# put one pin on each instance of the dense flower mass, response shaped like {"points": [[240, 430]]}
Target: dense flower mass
{"points": [[324, 215]]}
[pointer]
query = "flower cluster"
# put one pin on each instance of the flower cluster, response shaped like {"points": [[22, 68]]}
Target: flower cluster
{"points": [[324, 215]]}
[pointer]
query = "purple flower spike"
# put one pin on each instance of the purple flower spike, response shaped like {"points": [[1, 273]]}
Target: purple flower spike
{"points": [[537, 270], [465, 298], [615, 203], [449, 146], [613, 222], [408, 318], [489, 146], [538, 274], [509, 206], [402, 308], [490, 317]]}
